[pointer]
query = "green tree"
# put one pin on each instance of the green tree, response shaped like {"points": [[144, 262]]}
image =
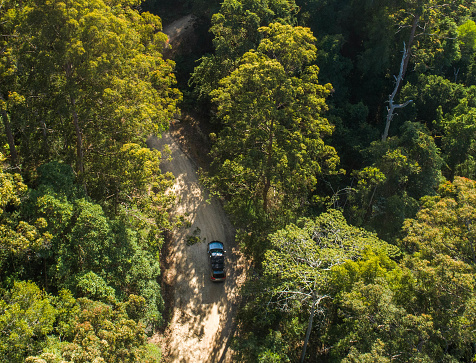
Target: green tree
{"points": [[417, 310], [297, 284], [103, 84], [464, 68], [370, 315], [101, 333], [444, 223], [404, 169], [271, 149], [17, 235], [458, 139], [26, 318], [11, 95], [118, 256], [433, 95], [235, 29]]}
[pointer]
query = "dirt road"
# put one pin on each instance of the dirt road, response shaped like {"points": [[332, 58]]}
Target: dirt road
{"points": [[202, 318], [176, 29]]}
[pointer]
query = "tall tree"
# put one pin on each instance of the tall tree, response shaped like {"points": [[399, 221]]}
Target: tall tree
{"points": [[271, 148], [10, 93], [123, 251], [297, 276], [18, 235], [235, 29], [445, 223], [403, 170], [27, 316], [432, 40], [95, 78]]}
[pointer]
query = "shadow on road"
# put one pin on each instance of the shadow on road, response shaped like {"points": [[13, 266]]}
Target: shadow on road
{"points": [[201, 316]]}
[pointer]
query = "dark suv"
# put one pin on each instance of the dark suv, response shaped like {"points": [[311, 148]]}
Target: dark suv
{"points": [[216, 255]]}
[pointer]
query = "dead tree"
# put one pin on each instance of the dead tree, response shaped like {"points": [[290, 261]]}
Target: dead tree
{"points": [[398, 81]]}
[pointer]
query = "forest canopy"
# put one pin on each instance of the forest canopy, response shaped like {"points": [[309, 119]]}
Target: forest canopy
{"points": [[342, 140], [83, 208]]}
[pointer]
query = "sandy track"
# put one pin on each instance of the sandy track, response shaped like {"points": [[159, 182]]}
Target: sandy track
{"points": [[202, 317], [175, 29]]}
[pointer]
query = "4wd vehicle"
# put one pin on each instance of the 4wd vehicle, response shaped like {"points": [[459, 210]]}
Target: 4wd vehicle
{"points": [[216, 255]]}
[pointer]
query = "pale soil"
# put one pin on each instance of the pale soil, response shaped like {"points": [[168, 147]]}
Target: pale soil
{"points": [[179, 31], [202, 312], [178, 27]]}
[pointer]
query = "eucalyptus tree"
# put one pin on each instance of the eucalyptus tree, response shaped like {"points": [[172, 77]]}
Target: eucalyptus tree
{"points": [[235, 29], [271, 149], [18, 236], [10, 92], [432, 43], [95, 77], [402, 170], [298, 272], [27, 317], [445, 223], [84, 242]]}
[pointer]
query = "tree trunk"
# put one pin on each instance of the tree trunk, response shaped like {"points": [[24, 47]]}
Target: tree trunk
{"points": [[309, 328], [79, 140], [10, 138], [403, 69], [410, 43], [392, 106], [267, 172]]}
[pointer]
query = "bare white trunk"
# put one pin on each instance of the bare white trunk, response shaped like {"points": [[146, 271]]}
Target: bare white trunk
{"points": [[398, 81]]}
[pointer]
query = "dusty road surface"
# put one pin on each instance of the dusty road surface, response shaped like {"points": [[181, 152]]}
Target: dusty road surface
{"points": [[180, 33], [202, 317], [178, 27]]}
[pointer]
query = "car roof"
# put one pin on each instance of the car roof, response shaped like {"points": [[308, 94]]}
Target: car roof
{"points": [[215, 245]]}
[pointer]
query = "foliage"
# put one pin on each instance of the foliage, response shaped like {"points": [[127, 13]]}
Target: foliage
{"points": [[271, 148], [77, 247], [103, 75], [236, 31], [94, 287], [443, 225], [458, 139], [17, 236], [405, 169], [62, 328], [26, 318], [101, 333], [84, 83], [298, 277], [420, 309]]}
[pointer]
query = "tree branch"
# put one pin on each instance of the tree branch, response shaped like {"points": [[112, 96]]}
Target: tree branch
{"points": [[391, 106]]}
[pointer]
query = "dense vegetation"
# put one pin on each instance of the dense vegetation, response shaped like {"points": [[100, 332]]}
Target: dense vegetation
{"points": [[82, 207], [343, 145]]}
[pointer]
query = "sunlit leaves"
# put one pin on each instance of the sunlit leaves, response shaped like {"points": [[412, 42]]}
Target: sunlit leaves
{"points": [[306, 269], [26, 317], [236, 31], [273, 127], [102, 72], [292, 46], [444, 224], [17, 235]]}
